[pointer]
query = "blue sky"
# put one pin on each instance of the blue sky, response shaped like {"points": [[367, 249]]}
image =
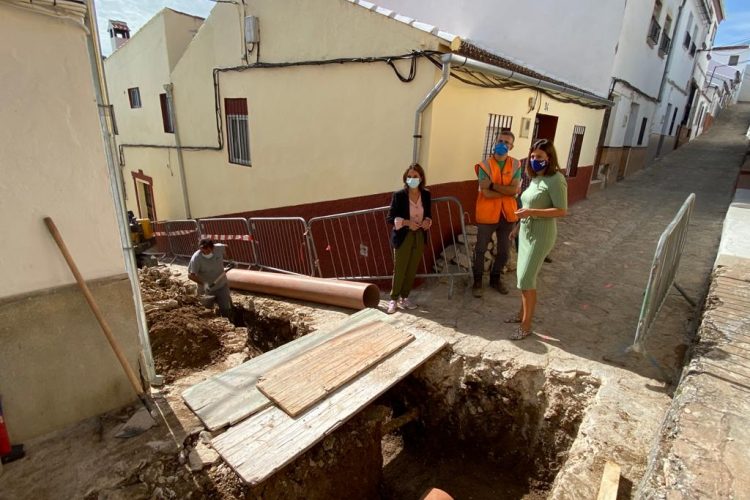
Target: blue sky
{"points": [[736, 27], [137, 13]]}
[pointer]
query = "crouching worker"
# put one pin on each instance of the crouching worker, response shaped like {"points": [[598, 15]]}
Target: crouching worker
{"points": [[207, 269]]}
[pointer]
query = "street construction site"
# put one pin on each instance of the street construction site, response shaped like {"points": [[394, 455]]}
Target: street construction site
{"points": [[440, 397]]}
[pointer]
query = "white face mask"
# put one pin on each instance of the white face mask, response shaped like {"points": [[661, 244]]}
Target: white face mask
{"points": [[413, 182], [207, 255]]}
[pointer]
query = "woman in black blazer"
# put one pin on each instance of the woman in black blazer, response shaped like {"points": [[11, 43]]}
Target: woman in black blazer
{"points": [[411, 216]]}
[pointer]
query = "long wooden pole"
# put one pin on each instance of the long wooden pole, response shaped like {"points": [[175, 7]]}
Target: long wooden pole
{"points": [[134, 381]]}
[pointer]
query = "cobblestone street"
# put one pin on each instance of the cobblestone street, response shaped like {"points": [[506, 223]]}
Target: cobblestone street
{"points": [[590, 295], [590, 298]]}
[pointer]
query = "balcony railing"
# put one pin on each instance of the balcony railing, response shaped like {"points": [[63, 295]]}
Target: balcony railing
{"points": [[665, 44], [653, 32]]}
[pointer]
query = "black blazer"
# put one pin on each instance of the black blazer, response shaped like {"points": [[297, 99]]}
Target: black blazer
{"points": [[400, 208]]}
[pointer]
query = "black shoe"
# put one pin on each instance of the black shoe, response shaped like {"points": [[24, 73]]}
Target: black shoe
{"points": [[547, 259], [476, 289]]}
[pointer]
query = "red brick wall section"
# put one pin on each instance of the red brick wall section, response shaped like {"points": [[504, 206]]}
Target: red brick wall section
{"points": [[578, 186]]}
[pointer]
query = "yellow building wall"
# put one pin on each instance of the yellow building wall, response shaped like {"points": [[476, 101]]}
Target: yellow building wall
{"points": [[316, 132], [180, 29], [52, 157], [330, 132], [145, 62], [456, 125], [161, 165]]}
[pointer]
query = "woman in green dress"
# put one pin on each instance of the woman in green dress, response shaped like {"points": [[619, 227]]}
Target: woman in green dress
{"points": [[544, 201]]}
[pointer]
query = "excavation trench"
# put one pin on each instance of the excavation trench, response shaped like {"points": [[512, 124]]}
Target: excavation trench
{"points": [[476, 428], [479, 428], [486, 428]]}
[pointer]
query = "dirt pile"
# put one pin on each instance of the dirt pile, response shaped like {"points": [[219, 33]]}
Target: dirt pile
{"points": [[185, 336]]}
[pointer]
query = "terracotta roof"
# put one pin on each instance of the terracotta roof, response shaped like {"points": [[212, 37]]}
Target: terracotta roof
{"points": [[470, 50]]}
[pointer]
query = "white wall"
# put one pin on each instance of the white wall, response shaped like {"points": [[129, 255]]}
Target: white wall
{"points": [[637, 61], [52, 156], [573, 41], [677, 85], [744, 94]]}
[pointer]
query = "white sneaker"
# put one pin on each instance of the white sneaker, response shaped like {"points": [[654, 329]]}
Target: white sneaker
{"points": [[391, 307], [405, 303]]}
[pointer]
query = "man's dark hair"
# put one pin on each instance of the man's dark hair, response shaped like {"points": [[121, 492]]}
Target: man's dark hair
{"points": [[506, 131], [206, 243]]}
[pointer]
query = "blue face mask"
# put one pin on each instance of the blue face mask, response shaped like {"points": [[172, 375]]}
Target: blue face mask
{"points": [[501, 149], [538, 165], [413, 182]]}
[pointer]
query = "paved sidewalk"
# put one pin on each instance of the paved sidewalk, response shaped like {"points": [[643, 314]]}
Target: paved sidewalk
{"points": [[702, 451]]}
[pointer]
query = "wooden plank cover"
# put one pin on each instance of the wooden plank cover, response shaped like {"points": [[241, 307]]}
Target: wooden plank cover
{"points": [[271, 439], [300, 383], [232, 396]]}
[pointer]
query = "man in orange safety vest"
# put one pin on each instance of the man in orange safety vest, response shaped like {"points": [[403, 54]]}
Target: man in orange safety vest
{"points": [[499, 179]]}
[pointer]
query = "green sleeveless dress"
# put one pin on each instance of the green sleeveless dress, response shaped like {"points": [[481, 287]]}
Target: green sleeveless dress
{"points": [[538, 234]]}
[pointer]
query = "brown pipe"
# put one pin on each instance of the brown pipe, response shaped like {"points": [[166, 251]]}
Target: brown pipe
{"points": [[325, 291]]}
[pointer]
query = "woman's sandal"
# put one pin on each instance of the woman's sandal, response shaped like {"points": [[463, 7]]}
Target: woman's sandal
{"points": [[516, 318], [520, 333]]}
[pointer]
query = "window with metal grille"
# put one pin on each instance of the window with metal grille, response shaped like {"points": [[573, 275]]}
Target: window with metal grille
{"points": [[666, 40], [575, 150], [134, 95], [653, 32], [238, 136], [495, 125], [688, 38], [654, 28], [687, 41], [643, 131], [166, 115]]}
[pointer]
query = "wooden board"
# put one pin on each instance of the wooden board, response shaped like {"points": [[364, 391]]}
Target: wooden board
{"points": [[232, 396], [271, 439], [610, 482], [300, 383]]}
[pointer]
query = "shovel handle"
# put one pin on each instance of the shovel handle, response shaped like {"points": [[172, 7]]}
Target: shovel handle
{"points": [[134, 381]]}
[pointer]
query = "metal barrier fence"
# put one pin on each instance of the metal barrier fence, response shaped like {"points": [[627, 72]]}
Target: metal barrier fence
{"points": [[162, 237], [184, 236], [235, 232], [281, 244], [351, 245], [663, 270], [356, 245]]}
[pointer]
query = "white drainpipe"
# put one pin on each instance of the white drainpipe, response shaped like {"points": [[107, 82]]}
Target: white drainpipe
{"points": [[116, 184]]}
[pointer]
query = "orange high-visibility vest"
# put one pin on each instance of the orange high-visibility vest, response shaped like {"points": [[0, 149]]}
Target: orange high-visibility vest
{"points": [[489, 209]]}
